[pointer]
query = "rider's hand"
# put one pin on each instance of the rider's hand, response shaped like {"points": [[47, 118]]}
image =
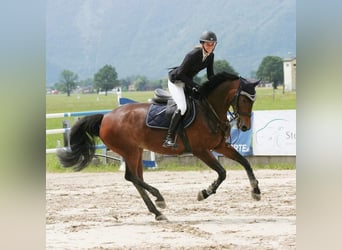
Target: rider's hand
{"points": [[195, 92], [195, 87]]}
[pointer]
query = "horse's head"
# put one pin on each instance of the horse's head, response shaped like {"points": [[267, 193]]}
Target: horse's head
{"points": [[225, 90], [243, 103]]}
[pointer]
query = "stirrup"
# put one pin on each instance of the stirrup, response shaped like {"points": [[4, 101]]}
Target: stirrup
{"points": [[169, 143]]}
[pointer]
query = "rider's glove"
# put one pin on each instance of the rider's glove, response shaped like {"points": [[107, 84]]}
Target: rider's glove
{"points": [[195, 92]]}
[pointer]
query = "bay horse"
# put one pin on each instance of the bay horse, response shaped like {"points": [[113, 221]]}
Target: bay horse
{"points": [[124, 131]]}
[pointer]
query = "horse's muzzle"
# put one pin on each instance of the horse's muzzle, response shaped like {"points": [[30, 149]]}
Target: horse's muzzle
{"points": [[244, 128]]}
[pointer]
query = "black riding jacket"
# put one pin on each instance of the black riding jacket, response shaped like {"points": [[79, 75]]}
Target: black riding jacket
{"points": [[191, 65]]}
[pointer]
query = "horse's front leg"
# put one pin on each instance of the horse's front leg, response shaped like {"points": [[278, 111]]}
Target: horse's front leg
{"points": [[208, 158], [230, 152]]}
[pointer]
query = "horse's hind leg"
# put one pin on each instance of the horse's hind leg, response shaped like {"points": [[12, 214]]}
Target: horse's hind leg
{"points": [[134, 174], [160, 202], [137, 183], [149, 203], [230, 152]]}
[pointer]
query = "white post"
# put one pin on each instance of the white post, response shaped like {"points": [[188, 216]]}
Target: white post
{"points": [[118, 93], [122, 161], [153, 158], [122, 164], [104, 151]]}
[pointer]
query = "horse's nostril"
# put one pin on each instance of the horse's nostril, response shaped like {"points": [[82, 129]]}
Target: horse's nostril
{"points": [[244, 128]]}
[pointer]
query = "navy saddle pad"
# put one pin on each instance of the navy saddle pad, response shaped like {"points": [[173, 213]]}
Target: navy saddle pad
{"points": [[157, 117]]}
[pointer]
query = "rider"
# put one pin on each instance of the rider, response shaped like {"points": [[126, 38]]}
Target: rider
{"points": [[181, 77]]}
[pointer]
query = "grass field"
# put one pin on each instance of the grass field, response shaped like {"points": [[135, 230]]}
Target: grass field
{"points": [[267, 99]]}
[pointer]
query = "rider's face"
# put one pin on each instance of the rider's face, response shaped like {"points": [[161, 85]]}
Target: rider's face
{"points": [[209, 46]]}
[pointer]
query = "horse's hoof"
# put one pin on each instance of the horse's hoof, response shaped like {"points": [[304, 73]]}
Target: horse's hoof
{"points": [[200, 196], [256, 196], [161, 204], [161, 218]]}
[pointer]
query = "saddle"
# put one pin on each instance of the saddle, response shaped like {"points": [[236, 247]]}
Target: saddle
{"points": [[162, 108]]}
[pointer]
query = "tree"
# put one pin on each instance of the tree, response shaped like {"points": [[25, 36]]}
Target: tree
{"points": [[68, 81], [271, 70], [86, 83], [125, 83], [219, 66], [106, 78], [223, 65], [140, 83]]}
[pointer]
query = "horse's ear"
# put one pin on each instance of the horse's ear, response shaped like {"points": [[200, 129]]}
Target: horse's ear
{"points": [[257, 83]]}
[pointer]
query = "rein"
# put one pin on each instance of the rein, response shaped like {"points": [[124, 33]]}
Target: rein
{"points": [[234, 103], [222, 126]]}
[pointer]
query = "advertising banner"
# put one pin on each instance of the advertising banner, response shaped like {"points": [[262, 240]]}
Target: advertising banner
{"points": [[241, 141], [274, 132]]}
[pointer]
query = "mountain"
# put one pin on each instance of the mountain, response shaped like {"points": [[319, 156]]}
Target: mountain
{"points": [[145, 37]]}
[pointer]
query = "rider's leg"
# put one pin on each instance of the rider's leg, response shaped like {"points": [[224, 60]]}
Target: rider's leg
{"points": [[171, 133], [177, 93]]}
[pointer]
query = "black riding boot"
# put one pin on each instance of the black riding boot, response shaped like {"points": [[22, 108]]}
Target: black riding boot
{"points": [[170, 138]]}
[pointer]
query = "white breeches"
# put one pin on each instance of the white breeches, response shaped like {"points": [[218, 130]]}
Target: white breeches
{"points": [[177, 93]]}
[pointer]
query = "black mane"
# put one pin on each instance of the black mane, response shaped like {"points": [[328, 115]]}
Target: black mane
{"points": [[215, 81]]}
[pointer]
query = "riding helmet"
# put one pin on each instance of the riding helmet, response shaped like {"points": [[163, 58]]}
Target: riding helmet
{"points": [[208, 36]]}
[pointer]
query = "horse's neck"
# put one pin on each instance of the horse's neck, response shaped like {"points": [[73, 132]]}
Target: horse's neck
{"points": [[219, 99]]}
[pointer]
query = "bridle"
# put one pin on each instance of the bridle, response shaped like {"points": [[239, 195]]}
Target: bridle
{"points": [[235, 104], [224, 125]]}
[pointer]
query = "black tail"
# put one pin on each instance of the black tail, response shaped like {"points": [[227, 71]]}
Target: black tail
{"points": [[82, 143]]}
